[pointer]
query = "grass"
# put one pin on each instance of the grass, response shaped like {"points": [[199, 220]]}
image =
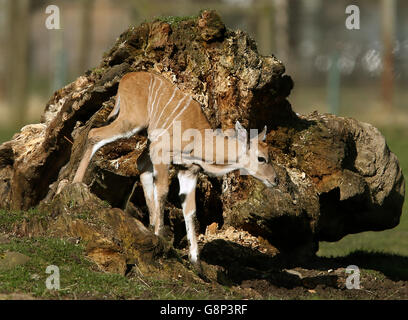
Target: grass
{"points": [[76, 274], [81, 279], [8, 219]]}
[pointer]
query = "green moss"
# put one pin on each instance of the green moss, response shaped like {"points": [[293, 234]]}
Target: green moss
{"points": [[98, 71], [174, 20], [9, 219], [82, 215]]}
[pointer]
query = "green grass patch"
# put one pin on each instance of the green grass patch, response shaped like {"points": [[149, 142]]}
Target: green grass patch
{"points": [[80, 278], [8, 219]]}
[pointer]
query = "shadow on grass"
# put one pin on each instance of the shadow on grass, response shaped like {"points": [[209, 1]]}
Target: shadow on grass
{"points": [[241, 264], [393, 266]]}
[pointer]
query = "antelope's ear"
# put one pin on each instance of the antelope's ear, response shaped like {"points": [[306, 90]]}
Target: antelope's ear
{"points": [[242, 134], [262, 135]]}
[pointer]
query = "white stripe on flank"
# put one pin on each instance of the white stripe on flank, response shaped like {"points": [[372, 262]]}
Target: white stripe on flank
{"points": [[155, 106], [169, 118], [184, 108], [155, 97], [151, 87], [161, 113], [179, 114]]}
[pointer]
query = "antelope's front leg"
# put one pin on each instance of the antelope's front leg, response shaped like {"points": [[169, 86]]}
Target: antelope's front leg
{"points": [[147, 180], [160, 190], [188, 181]]}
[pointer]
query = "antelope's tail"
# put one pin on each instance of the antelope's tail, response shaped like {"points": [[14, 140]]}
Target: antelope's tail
{"points": [[116, 109]]}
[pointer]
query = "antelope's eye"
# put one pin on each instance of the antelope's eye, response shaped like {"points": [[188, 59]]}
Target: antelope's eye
{"points": [[261, 160]]}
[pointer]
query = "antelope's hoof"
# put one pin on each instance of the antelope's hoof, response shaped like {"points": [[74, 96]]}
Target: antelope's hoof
{"points": [[197, 267]]}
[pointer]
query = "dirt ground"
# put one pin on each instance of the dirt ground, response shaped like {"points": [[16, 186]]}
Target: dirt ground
{"points": [[256, 271], [329, 284]]}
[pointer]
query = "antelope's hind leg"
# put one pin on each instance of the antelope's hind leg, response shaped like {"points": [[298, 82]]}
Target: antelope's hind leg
{"points": [[188, 181], [160, 191], [97, 138]]}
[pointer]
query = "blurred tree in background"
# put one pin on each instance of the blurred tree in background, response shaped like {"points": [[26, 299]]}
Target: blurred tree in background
{"points": [[18, 14], [388, 10], [86, 28], [361, 71]]}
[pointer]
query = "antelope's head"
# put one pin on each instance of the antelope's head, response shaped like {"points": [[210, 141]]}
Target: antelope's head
{"points": [[254, 158]]}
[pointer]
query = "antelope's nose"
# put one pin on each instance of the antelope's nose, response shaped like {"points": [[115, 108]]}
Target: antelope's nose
{"points": [[275, 181]]}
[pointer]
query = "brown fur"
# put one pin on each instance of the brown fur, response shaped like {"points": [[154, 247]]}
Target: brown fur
{"points": [[147, 100]]}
